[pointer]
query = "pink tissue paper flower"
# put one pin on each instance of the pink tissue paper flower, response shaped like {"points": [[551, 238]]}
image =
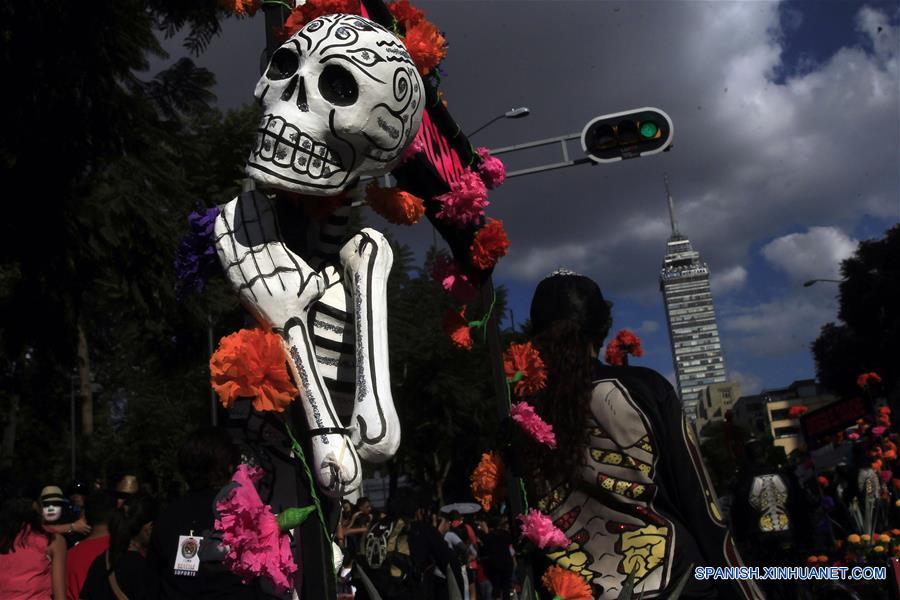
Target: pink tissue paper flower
{"points": [[453, 280], [250, 531], [416, 147], [491, 169], [540, 530], [523, 414], [879, 431], [465, 202], [853, 436]]}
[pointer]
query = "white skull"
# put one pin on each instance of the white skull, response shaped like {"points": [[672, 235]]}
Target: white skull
{"points": [[341, 99]]}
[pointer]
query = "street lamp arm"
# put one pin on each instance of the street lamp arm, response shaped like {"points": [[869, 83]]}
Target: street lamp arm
{"points": [[812, 282]]}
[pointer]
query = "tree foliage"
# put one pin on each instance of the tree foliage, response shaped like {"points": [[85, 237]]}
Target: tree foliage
{"points": [[868, 336], [108, 160]]}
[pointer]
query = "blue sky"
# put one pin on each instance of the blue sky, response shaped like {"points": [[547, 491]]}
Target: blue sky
{"points": [[787, 146]]}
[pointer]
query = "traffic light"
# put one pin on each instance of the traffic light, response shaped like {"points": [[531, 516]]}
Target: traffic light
{"points": [[627, 134]]}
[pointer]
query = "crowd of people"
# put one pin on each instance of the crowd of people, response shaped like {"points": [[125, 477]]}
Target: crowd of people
{"points": [[623, 484]]}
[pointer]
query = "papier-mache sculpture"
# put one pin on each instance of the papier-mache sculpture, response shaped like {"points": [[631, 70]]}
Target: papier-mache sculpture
{"points": [[308, 391], [342, 100]]}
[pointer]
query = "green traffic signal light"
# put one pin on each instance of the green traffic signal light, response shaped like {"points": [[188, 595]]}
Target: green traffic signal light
{"points": [[649, 130], [627, 134]]}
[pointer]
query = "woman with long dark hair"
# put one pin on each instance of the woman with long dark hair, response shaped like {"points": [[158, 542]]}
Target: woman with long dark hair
{"points": [[118, 573], [626, 482], [32, 560]]}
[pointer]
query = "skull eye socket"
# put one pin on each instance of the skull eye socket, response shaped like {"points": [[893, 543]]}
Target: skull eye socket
{"points": [[284, 63], [337, 85]]}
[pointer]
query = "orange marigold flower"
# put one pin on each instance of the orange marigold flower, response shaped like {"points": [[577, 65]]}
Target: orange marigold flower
{"points": [[489, 245], [426, 46], [867, 379], [251, 363], [566, 584], [456, 326], [395, 205], [240, 7], [854, 538], [525, 359], [487, 480], [812, 560], [823, 559], [405, 13], [311, 11]]}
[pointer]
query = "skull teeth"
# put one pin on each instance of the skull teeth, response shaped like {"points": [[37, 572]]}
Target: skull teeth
{"points": [[287, 147]]}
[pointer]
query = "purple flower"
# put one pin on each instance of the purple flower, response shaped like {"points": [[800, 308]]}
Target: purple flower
{"points": [[196, 260]]}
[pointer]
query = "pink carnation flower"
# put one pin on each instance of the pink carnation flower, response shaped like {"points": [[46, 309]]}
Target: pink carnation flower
{"points": [[453, 280], [416, 147], [523, 414], [491, 169], [465, 202], [879, 431], [540, 530], [853, 436], [886, 476], [250, 531]]}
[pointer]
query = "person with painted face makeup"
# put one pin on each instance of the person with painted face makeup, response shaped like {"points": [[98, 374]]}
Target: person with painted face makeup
{"points": [[53, 505], [32, 559]]}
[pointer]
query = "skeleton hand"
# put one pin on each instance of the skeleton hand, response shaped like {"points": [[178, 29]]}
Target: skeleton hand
{"points": [[274, 283], [279, 287]]}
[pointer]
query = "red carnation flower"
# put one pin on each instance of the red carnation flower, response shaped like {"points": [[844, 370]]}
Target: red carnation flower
{"points": [[311, 11], [456, 326], [489, 245], [796, 411], [623, 344], [524, 359], [867, 379], [405, 13]]}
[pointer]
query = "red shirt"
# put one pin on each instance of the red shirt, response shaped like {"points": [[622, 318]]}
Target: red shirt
{"points": [[78, 561], [25, 573]]}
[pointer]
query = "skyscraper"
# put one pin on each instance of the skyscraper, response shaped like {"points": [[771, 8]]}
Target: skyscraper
{"points": [[691, 316]]}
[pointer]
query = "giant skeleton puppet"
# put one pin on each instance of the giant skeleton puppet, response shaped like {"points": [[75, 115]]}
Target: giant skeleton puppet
{"points": [[341, 100]]}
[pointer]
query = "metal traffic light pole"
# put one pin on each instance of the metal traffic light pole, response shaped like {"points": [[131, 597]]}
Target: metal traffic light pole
{"points": [[660, 141]]}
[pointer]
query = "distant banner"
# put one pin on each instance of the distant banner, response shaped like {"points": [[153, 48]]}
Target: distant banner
{"points": [[830, 419]]}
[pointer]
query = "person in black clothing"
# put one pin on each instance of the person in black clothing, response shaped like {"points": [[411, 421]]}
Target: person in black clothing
{"points": [[206, 461], [121, 569], [496, 558], [413, 563], [626, 482]]}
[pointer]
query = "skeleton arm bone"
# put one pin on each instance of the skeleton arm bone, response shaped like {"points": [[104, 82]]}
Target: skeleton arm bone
{"points": [[279, 287], [367, 259]]}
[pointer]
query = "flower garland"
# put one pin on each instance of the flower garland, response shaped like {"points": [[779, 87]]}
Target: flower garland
{"points": [[252, 363]]}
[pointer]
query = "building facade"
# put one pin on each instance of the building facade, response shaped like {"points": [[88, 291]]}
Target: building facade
{"points": [[691, 318], [769, 412], [716, 400]]}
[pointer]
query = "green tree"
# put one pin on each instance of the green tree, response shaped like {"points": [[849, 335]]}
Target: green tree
{"points": [[444, 395], [868, 336]]}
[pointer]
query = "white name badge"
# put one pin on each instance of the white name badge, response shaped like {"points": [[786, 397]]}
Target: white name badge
{"points": [[187, 559]]}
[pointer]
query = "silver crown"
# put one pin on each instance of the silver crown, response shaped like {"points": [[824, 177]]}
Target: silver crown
{"points": [[560, 272]]}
